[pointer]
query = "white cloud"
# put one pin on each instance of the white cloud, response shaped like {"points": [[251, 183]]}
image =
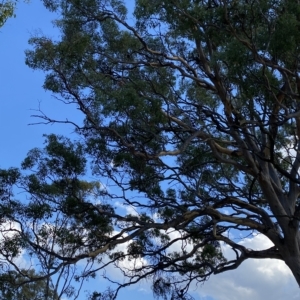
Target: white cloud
{"points": [[130, 210], [180, 245], [7, 230], [113, 270], [254, 279]]}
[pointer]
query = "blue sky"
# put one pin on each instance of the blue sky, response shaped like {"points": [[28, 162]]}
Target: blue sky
{"points": [[21, 88], [21, 92]]}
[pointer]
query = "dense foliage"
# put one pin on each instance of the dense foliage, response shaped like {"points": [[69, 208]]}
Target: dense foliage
{"points": [[191, 117], [13, 286], [6, 11]]}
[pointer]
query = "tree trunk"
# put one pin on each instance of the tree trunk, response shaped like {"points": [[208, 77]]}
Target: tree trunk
{"points": [[292, 260]]}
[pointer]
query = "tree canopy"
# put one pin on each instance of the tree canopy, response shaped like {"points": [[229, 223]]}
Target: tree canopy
{"points": [[191, 117], [6, 11], [12, 287]]}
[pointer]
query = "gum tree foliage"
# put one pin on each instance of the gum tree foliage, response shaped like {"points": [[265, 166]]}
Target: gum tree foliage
{"points": [[51, 225], [191, 113], [6, 11], [10, 288]]}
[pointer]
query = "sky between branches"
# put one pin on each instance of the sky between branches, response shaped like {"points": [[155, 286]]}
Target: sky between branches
{"points": [[21, 92]]}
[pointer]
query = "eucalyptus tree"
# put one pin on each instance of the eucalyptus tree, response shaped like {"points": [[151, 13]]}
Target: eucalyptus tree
{"points": [[50, 226], [12, 288], [6, 11], [191, 113]]}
